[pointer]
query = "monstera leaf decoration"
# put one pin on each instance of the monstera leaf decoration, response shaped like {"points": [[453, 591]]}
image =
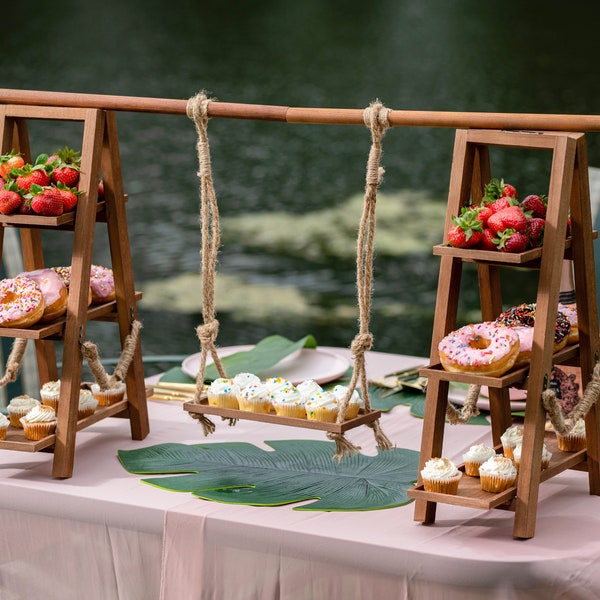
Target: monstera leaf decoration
{"points": [[295, 471]]}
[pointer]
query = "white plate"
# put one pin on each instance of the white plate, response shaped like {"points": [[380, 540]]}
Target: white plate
{"points": [[306, 363], [456, 395]]}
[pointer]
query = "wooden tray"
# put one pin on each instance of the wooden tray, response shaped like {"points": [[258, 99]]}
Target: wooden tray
{"points": [[203, 407]]}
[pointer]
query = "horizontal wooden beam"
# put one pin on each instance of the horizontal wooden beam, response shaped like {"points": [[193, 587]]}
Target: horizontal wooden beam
{"points": [[286, 114]]}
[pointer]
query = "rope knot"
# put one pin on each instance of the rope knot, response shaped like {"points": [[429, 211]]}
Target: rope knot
{"points": [[361, 343], [207, 332], [376, 117], [197, 107]]}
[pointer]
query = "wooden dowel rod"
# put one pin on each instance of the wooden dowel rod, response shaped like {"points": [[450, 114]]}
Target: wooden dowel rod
{"points": [[286, 114]]}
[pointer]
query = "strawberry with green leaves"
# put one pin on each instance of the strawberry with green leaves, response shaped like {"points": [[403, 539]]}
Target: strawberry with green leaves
{"points": [[70, 196], [488, 241], [12, 160], [10, 199], [45, 201], [535, 231], [467, 230], [497, 189], [512, 241], [536, 205], [66, 167]]}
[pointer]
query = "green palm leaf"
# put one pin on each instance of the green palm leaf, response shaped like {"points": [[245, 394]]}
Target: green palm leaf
{"points": [[296, 470]]}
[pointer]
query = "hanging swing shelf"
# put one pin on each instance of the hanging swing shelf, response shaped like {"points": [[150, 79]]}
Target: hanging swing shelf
{"points": [[202, 407]]}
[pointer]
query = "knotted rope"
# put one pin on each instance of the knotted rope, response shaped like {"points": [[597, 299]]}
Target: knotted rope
{"points": [[197, 110], [469, 408], [89, 351], [564, 424], [14, 360], [376, 118]]}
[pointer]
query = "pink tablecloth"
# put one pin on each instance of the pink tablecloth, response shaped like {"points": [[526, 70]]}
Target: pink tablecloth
{"points": [[105, 535]]}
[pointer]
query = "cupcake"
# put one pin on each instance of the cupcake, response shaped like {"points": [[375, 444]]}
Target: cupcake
{"points": [[510, 439], [50, 393], [87, 404], [440, 475], [18, 407], [39, 422], [575, 440], [546, 456], [255, 398], [275, 384], [354, 403], [497, 474], [109, 396], [308, 387], [4, 423], [475, 456], [288, 402], [322, 406], [224, 393], [246, 379]]}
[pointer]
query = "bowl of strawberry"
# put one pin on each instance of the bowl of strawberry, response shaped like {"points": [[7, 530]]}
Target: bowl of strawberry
{"points": [[500, 221]]}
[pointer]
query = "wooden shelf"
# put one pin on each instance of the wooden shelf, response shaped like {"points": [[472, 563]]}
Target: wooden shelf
{"points": [[99, 155], [568, 193], [203, 407]]}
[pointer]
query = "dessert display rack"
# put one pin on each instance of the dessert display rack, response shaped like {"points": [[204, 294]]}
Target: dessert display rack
{"points": [[568, 201], [99, 156]]}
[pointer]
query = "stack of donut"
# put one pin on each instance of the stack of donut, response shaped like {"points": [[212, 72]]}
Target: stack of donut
{"points": [[41, 295], [494, 347]]}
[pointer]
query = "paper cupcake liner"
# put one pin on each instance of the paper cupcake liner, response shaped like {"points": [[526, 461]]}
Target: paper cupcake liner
{"points": [[295, 411], [53, 402], [443, 486], [495, 483], [85, 412], [472, 468], [325, 415], [14, 416], [3, 433], [571, 443], [108, 397], [38, 431], [223, 401], [509, 451], [256, 406]]}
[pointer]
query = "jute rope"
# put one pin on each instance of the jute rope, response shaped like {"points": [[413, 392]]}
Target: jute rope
{"points": [[197, 110], [376, 119], [469, 408], [89, 351], [14, 360], [565, 424]]}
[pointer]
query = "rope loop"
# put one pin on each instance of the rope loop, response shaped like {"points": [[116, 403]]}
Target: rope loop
{"points": [[207, 333], [14, 361], [361, 343]]}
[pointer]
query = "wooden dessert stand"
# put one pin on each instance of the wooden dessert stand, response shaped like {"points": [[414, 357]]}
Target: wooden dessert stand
{"points": [[100, 154], [568, 191]]}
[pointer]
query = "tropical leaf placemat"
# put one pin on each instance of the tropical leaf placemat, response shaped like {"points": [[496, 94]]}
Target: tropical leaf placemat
{"points": [[295, 471]]}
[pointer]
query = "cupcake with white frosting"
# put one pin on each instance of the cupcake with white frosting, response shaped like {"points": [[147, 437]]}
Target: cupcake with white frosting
{"points": [[4, 423], [309, 387], [546, 456], [255, 398], [289, 402], [243, 380], [510, 439], [87, 404], [574, 440], [223, 392], [109, 396], [323, 406], [475, 457], [354, 403], [50, 393], [497, 474], [18, 407], [39, 422], [440, 475]]}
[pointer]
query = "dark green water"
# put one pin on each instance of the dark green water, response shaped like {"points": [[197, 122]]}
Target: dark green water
{"points": [[435, 55]]}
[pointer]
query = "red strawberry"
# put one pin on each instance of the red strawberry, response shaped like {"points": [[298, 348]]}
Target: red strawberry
{"points": [[467, 230], [535, 231], [513, 241], [10, 200], [69, 196], [508, 218], [496, 188], [28, 175], [487, 240], [500, 204], [12, 160], [535, 204], [66, 174], [484, 213], [101, 190], [46, 201]]}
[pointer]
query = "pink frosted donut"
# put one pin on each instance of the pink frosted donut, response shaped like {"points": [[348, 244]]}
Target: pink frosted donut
{"points": [[481, 348], [525, 345], [102, 283], [570, 311], [21, 302], [65, 274], [54, 291]]}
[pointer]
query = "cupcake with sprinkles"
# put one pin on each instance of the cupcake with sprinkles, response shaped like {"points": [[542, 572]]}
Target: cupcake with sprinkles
{"points": [[323, 406], [255, 398], [289, 402], [223, 392], [246, 379], [354, 403]]}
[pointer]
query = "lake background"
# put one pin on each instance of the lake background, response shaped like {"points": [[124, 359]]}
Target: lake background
{"points": [[290, 195]]}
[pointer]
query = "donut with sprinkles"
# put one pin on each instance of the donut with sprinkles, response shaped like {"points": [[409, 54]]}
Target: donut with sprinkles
{"points": [[21, 302]]}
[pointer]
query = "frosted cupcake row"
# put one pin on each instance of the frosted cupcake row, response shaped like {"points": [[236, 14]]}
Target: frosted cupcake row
{"points": [[277, 395]]}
